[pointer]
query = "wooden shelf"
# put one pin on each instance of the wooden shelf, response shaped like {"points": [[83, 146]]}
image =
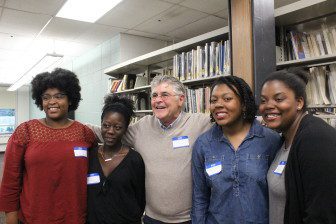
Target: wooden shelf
{"points": [[135, 90], [201, 80], [321, 106], [313, 61], [140, 64], [143, 111], [303, 10]]}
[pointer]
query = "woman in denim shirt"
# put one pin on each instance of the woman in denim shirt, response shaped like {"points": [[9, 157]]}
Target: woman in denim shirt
{"points": [[230, 161]]}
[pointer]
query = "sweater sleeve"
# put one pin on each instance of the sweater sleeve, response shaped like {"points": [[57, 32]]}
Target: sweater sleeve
{"points": [[13, 168], [317, 156], [201, 192], [130, 135]]}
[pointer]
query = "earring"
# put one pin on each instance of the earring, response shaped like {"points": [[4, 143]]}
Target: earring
{"points": [[299, 108], [244, 115]]}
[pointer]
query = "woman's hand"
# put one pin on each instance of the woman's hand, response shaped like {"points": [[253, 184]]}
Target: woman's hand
{"points": [[12, 217]]}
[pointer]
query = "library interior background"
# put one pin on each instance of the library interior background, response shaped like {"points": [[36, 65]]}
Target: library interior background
{"points": [[122, 50]]}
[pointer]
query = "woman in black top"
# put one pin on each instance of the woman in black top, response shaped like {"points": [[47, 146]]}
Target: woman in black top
{"points": [[116, 178], [310, 170]]}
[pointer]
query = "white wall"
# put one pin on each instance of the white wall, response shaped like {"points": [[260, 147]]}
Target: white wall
{"points": [[18, 100], [132, 46]]}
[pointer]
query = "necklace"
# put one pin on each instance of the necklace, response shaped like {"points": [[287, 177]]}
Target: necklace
{"points": [[101, 152]]}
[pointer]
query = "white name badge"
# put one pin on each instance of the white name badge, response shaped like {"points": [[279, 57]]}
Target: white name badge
{"points": [[93, 178], [280, 168], [80, 151], [214, 168], [180, 142]]}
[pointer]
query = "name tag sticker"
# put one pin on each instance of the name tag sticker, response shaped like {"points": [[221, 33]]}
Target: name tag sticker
{"points": [[93, 178], [80, 151], [180, 142], [280, 168], [213, 168]]}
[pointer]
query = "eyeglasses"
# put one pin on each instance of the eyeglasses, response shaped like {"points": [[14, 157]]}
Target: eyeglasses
{"points": [[163, 96], [57, 96]]}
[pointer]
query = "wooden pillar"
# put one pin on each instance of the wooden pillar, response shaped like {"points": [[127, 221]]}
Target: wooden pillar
{"points": [[252, 33]]}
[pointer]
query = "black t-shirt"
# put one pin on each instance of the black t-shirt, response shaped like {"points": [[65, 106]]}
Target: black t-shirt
{"points": [[120, 197]]}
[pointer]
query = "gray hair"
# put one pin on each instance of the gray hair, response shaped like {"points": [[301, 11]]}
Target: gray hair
{"points": [[178, 87]]}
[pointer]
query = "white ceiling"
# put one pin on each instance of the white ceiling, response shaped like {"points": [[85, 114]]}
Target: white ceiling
{"points": [[22, 20]]}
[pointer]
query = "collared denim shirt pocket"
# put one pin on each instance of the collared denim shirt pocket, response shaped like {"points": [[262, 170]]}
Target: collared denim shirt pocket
{"points": [[210, 160], [257, 166]]}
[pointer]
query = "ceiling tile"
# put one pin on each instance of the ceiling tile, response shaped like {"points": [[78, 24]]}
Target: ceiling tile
{"points": [[141, 33], [2, 2], [23, 23], [6, 55], [14, 42], [171, 19], [98, 34], [224, 14], [49, 7], [65, 29], [174, 1], [199, 27], [208, 6], [280, 3], [130, 13]]}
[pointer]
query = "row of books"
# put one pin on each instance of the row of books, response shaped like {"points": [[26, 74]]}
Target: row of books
{"points": [[129, 81], [301, 45], [198, 100], [204, 61], [321, 88]]}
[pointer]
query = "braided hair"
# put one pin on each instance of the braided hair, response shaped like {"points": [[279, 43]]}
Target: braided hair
{"points": [[244, 93], [122, 105]]}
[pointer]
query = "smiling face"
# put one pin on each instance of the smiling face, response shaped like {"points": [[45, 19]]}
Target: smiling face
{"points": [[55, 104], [166, 104], [113, 127], [279, 106], [225, 106]]}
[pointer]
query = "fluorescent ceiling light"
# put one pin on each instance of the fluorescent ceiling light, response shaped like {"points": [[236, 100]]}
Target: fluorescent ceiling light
{"points": [[86, 10], [45, 63]]}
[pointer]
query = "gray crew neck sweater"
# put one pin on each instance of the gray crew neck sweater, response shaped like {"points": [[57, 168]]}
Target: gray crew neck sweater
{"points": [[168, 170]]}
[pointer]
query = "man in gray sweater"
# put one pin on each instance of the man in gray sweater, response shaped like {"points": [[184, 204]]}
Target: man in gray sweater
{"points": [[165, 141]]}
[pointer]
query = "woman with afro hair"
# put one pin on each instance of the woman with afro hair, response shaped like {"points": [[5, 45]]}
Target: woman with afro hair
{"points": [[45, 167], [116, 179]]}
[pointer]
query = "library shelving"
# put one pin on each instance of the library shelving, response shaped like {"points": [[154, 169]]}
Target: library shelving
{"points": [[306, 37], [163, 61]]}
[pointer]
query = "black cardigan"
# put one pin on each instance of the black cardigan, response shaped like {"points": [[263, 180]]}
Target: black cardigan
{"points": [[310, 174]]}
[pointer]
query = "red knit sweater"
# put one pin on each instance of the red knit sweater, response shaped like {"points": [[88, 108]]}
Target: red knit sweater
{"points": [[44, 179]]}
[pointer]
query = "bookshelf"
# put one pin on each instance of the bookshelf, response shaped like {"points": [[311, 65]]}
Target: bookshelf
{"points": [[161, 62], [306, 37]]}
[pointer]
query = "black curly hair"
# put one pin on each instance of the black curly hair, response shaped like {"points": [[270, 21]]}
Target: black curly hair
{"points": [[295, 78], [61, 79], [121, 105], [243, 91]]}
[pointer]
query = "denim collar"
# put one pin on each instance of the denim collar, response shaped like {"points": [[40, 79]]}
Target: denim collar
{"points": [[256, 130]]}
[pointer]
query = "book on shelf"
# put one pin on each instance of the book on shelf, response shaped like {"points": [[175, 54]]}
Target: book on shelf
{"points": [[321, 87], [140, 81], [115, 85], [212, 59], [198, 100], [310, 43]]}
